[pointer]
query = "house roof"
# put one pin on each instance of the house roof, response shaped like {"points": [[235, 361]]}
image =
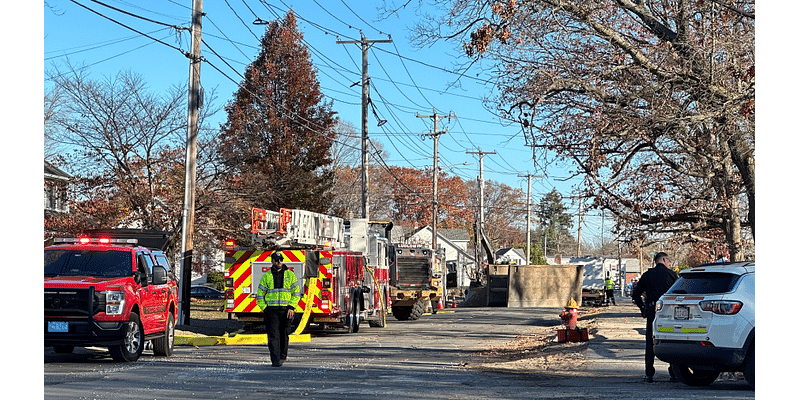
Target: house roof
{"points": [[53, 172], [454, 234], [515, 252]]}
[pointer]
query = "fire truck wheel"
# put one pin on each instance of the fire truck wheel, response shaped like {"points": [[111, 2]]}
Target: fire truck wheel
{"points": [[132, 344], [165, 345], [63, 349], [355, 316], [417, 311], [401, 313]]}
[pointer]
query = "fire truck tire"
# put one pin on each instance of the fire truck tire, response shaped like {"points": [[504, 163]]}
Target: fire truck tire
{"points": [[133, 342], [63, 349], [355, 316], [164, 346], [401, 313], [417, 311]]}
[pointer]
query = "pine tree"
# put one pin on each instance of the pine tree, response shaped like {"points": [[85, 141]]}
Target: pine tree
{"points": [[276, 143]]}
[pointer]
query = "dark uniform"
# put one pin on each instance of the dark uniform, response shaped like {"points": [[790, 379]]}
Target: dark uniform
{"points": [[278, 294], [653, 284]]}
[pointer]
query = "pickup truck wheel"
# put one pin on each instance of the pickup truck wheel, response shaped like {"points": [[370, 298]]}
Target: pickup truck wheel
{"points": [[694, 377], [133, 342], [63, 349], [165, 345]]}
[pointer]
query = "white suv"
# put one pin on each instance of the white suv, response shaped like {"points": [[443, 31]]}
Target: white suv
{"points": [[706, 323]]}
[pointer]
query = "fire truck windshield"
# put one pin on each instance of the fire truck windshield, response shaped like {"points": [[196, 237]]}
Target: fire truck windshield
{"points": [[102, 263]]}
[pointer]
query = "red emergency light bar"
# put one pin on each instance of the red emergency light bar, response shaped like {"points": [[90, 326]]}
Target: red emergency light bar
{"points": [[89, 240]]}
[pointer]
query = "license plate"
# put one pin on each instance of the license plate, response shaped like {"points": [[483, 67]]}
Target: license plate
{"points": [[58, 326], [681, 312]]}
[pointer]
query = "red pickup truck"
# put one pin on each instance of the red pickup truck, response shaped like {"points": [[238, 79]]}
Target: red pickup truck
{"points": [[108, 293]]}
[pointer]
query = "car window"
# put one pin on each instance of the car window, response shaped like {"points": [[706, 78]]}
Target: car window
{"points": [[162, 261], [704, 283]]}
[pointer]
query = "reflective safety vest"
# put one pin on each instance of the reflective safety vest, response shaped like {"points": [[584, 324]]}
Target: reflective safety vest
{"points": [[288, 295], [609, 284]]}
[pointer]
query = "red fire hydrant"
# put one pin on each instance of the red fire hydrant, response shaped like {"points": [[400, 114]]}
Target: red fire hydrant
{"points": [[570, 315]]}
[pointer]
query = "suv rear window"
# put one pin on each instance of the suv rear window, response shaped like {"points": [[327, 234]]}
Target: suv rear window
{"points": [[704, 283], [104, 263]]}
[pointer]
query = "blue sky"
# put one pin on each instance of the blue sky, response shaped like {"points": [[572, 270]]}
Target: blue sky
{"points": [[405, 81]]}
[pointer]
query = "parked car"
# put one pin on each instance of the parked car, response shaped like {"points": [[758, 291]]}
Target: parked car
{"points": [[705, 324], [206, 292]]}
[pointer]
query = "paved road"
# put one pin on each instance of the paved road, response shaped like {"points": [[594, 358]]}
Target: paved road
{"points": [[464, 353]]}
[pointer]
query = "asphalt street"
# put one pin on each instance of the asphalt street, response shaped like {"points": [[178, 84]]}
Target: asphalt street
{"points": [[463, 353]]}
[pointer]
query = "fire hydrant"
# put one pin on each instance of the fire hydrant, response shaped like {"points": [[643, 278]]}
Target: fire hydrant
{"points": [[570, 315]]}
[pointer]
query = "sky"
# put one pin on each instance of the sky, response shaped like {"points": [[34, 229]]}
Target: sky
{"points": [[407, 83]]}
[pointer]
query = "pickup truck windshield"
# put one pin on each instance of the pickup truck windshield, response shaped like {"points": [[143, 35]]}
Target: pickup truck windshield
{"points": [[102, 263]]}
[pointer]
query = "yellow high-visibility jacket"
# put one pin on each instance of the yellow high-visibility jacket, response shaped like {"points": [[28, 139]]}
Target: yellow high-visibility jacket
{"points": [[288, 295], [609, 284]]}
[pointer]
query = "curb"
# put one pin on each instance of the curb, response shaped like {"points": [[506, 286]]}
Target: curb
{"points": [[237, 340]]}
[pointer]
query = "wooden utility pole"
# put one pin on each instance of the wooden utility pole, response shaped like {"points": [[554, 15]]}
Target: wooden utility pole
{"points": [[480, 153], [435, 134], [580, 224], [187, 231], [528, 230], [364, 119]]}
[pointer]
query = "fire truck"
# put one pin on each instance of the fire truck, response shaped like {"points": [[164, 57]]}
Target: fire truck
{"points": [[415, 277], [341, 285]]}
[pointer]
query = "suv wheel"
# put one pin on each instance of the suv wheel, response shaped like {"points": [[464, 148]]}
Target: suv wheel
{"points": [[133, 342], [750, 366], [694, 377]]}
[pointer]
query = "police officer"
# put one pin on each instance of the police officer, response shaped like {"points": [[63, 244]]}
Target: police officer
{"points": [[653, 283], [278, 294]]}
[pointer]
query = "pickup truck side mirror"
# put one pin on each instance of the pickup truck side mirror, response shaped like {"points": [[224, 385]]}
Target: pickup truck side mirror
{"points": [[159, 275]]}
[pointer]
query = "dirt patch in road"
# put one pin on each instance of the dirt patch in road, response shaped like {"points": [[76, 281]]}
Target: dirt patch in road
{"points": [[538, 351]]}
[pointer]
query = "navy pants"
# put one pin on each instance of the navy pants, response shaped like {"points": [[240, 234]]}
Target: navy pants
{"points": [[277, 322]]}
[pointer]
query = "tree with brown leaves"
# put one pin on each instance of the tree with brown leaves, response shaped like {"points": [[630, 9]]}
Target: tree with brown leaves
{"points": [[276, 143], [653, 101]]}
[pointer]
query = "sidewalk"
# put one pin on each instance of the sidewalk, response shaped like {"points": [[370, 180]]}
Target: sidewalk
{"points": [[617, 347]]}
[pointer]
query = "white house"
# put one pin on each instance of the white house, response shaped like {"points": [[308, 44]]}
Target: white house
{"points": [[510, 256]]}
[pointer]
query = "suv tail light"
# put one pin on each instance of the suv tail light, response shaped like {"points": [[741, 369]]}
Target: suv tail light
{"points": [[722, 307]]}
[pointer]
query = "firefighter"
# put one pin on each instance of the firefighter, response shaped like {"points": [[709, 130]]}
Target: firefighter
{"points": [[278, 294], [609, 289]]}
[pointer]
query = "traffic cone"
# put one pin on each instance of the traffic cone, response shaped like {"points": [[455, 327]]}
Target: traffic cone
{"points": [[440, 304]]}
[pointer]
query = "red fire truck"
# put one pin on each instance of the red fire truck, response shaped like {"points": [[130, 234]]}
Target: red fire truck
{"points": [[341, 287]]}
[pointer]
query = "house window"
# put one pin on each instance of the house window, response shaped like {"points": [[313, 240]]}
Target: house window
{"points": [[55, 197]]}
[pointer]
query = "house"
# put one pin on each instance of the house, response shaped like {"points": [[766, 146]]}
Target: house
{"points": [[510, 256], [56, 189], [459, 260]]}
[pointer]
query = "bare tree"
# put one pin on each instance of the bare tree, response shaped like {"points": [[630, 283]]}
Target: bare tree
{"points": [[654, 101], [125, 149]]}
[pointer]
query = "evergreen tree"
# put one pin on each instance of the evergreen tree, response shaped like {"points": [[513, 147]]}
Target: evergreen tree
{"points": [[556, 222], [276, 143]]}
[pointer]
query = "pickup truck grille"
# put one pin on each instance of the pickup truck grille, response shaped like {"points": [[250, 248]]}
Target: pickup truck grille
{"points": [[72, 302]]}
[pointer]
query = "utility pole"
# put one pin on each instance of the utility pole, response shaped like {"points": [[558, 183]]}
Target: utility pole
{"points": [[480, 207], [435, 134], [580, 224], [187, 231], [364, 119], [528, 230]]}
